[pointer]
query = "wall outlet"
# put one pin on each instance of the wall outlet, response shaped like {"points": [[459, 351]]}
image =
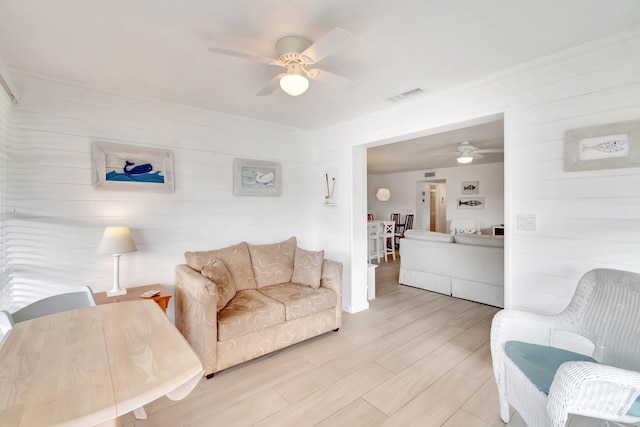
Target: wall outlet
{"points": [[527, 222]]}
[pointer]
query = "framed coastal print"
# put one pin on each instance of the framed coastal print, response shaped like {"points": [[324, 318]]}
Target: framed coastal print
{"points": [[610, 146], [256, 178], [470, 203], [132, 168], [470, 187]]}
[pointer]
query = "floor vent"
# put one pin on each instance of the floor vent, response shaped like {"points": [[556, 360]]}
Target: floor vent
{"points": [[405, 95]]}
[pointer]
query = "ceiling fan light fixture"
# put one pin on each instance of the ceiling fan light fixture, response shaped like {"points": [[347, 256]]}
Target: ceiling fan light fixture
{"points": [[294, 84], [464, 158]]}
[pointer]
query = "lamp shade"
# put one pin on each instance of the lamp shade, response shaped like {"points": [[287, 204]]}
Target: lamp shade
{"points": [[294, 84], [116, 240]]}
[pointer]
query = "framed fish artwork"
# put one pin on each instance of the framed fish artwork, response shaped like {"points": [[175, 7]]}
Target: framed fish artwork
{"points": [[470, 203], [470, 187], [610, 146], [256, 178], [132, 168]]}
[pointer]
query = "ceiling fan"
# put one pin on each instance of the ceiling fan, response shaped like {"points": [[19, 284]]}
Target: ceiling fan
{"points": [[296, 54], [466, 152]]}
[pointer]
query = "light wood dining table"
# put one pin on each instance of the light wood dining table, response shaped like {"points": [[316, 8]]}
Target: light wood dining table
{"points": [[88, 367]]}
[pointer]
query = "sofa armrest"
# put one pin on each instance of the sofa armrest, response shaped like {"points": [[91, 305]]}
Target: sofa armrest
{"points": [[332, 279], [196, 314]]}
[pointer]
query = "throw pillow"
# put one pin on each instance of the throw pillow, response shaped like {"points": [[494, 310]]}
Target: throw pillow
{"points": [[225, 287], [236, 258], [465, 231], [307, 268], [273, 263]]}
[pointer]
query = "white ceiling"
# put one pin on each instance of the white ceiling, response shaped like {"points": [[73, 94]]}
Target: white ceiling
{"points": [[426, 152], [159, 48]]}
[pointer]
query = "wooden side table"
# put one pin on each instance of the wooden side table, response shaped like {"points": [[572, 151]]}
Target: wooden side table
{"points": [[134, 294]]}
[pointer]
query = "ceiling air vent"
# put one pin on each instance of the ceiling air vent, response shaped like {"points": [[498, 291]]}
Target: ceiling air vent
{"points": [[405, 95], [429, 174]]}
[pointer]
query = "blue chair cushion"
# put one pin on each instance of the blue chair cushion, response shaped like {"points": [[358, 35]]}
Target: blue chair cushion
{"points": [[540, 363]]}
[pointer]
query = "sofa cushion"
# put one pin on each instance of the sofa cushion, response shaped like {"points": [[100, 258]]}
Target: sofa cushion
{"points": [[480, 240], [428, 235], [273, 263], [236, 258], [220, 276], [248, 311], [300, 300], [307, 268]]}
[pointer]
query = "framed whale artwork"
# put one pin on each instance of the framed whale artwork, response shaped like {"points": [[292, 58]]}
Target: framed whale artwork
{"points": [[132, 168], [256, 178]]}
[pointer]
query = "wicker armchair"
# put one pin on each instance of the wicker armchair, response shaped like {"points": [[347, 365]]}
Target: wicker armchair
{"points": [[603, 318]]}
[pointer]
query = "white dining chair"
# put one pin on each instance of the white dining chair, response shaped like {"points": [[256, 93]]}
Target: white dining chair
{"points": [[387, 234], [55, 304], [373, 232]]}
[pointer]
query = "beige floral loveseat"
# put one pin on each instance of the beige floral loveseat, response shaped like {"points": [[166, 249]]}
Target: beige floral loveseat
{"points": [[243, 301]]}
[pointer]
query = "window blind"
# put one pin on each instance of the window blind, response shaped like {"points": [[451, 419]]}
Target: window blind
{"points": [[6, 109]]}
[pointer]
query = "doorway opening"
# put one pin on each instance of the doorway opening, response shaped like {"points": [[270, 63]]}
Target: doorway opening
{"points": [[431, 205]]}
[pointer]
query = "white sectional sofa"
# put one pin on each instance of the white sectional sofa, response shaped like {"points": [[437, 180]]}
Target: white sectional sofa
{"points": [[468, 266]]}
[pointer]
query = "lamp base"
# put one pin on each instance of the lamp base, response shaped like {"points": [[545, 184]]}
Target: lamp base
{"points": [[116, 292]]}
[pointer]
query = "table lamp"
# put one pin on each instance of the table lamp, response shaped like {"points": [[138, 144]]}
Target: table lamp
{"points": [[116, 240]]}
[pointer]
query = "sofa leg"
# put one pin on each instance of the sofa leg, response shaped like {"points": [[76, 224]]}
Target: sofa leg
{"points": [[210, 375], [336, 330]]}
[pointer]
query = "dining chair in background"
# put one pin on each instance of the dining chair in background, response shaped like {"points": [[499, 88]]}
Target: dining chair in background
{"points": [[387, 239]]}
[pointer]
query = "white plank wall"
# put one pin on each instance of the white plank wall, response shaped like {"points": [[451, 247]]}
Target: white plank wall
{"points": [[59, 217], [585, 219]]}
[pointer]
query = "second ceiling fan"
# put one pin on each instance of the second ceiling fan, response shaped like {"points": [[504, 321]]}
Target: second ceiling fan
{"points": [[466, 152], [296, 54]]}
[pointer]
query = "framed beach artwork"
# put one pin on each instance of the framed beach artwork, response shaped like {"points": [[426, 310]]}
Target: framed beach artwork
{"points": [[470, 187], [610, 146], [471, 203], [132, 168], [256, 178]]}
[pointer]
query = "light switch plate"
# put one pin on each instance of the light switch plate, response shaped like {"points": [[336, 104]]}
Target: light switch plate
{"points": [[527, 222]]}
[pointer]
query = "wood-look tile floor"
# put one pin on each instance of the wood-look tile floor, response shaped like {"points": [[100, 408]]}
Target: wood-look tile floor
{"points": [[415, 358]]}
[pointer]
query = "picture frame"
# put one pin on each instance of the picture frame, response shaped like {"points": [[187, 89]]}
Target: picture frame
{"points": [[256, 178], [470, 187], [470, 203], [132, 168], [609, 146]]}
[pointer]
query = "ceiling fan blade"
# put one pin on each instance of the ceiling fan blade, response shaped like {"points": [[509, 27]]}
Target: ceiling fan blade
{"points": [[243, 55], [271, 86], [330, 43], [476, 155], [490, 150], [441, 153], [327, 77]]}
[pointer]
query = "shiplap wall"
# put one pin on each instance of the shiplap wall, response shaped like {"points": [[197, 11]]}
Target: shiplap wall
{"points": [[585, 219], [403, 193], [59, 217]]}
